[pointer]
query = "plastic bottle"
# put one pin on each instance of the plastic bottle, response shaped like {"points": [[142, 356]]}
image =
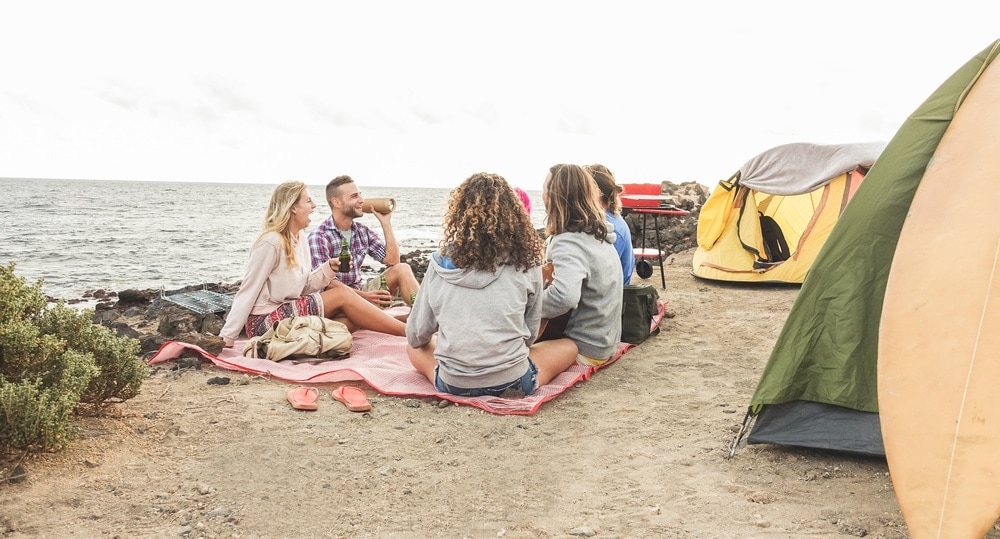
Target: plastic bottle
{"points": [[345, 256]]}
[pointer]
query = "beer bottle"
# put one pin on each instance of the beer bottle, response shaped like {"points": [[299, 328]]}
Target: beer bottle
{"points": [[382, 285], [345, 256]]}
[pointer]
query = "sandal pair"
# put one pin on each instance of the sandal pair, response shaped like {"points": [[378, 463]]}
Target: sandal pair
{"points": [[307, 398]]}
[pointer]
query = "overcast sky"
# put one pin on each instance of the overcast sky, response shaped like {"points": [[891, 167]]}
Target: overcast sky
{"points": [[425, 93]]}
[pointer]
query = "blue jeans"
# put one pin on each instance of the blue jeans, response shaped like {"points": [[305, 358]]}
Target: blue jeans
{"points": [[527, 383]]}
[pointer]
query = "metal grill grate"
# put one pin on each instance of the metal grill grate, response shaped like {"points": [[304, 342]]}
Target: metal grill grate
{"points": [[201, 301]]}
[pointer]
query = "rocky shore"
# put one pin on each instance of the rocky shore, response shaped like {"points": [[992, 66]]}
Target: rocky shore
{"points": [[150, 317]]}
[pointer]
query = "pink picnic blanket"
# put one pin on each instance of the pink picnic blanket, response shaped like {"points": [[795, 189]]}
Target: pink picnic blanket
{"points": [[380, 360]]}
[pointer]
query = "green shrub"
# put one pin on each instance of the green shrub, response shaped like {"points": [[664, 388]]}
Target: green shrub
{"points": [[36, 415], [120, 372], [52, 359]]}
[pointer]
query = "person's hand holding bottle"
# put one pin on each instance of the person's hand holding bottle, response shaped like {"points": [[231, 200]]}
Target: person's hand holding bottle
{"points": [[547, 270], [381, 298]]}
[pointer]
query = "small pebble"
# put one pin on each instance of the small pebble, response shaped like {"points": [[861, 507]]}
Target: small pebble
{"points": [[219, 512], [18, 474]]}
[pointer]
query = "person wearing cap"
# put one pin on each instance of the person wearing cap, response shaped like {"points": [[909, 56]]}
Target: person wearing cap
{"points": [[612, 209], [346, 205]]}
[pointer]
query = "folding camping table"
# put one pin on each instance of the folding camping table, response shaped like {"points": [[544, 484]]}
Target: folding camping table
{"points": [[646, 205]]}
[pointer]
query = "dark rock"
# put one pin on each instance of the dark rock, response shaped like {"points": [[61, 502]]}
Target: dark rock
{"points": [[212, 324], [124, 330], [151, 342], [136, 297], [98, 294], [209, 343], [105, 318], [133, 312], [176, 320], [18, 474], [156, 308], [418, 261], [193, 362], [218, 381]]}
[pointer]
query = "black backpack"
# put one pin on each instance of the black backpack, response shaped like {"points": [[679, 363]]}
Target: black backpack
{"points": [[775, 246]]}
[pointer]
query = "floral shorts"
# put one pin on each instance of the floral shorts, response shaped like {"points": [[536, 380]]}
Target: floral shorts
{"points": [[258, 324]]}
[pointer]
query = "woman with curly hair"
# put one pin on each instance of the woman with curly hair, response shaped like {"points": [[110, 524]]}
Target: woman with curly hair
{"points": [[473, 327], [587, 276], [279, 282]]}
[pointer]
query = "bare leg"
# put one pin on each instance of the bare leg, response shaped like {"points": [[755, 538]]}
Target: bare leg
{"points": [[401, 280], [551, 358], [351, 326], [423, 358], [341, 301]]}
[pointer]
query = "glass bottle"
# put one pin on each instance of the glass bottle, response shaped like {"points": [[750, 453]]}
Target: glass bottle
{"points": [[382, 285], [345, 256]]}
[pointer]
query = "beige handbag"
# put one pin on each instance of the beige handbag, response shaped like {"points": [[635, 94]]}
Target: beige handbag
{"points": [[302, 336]]}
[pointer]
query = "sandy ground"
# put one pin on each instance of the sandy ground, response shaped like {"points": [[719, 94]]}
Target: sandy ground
{"points": [[639, 450]]}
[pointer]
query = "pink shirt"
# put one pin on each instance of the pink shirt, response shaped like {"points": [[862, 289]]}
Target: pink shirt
{"points": [[269, 281]]}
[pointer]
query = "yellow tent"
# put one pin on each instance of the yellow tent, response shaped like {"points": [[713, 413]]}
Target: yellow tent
{"points": [[769, 220]]}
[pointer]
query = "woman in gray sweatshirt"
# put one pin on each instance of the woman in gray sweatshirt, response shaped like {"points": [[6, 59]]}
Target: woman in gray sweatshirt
{"points": [[587, 275], [473, 326]]}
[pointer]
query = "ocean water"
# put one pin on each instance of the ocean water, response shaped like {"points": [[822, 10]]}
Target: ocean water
{"points": [[83, 235]]}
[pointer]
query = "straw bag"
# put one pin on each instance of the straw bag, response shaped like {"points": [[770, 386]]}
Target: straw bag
{"points": [[301, 336]]}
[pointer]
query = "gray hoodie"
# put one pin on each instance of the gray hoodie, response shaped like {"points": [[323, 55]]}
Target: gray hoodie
{"points": [[485, 321], [587, 279]]}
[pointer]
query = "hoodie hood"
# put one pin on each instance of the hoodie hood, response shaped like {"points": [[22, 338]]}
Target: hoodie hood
{"points": [[446, 269], [611, 237]]}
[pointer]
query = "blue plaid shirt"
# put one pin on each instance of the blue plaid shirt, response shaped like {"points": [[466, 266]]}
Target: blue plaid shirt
{"points": [[324, 244]]}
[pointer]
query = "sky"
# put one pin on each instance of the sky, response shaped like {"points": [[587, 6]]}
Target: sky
{"points": [[424, 94]]}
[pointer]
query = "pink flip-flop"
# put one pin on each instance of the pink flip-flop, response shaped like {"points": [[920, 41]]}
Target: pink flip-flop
{"points": [[354, 398], [303, 398]]}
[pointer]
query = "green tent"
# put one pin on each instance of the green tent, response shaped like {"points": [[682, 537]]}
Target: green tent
{"points": [[819, 387]]}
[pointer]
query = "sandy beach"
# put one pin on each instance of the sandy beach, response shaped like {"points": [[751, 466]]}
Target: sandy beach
{"points": [[639, 450]]}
